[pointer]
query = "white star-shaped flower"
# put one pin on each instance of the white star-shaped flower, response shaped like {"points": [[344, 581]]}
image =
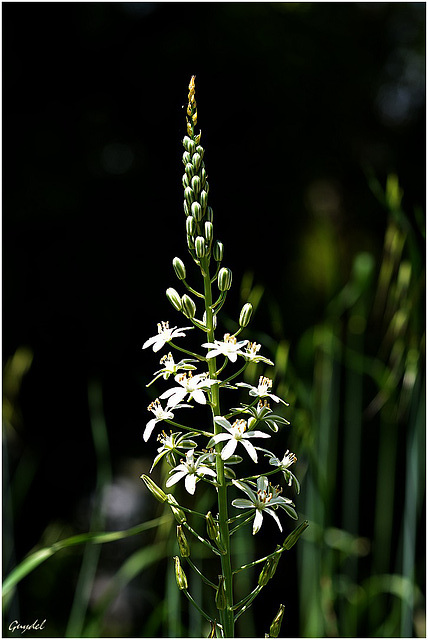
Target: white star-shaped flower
{"points": [[160, 415], [191, 470], [171, 368], [165, 334], [193, 386], [237, 432], [262, 390], [265, 497], [251, 353], [229, 347]]}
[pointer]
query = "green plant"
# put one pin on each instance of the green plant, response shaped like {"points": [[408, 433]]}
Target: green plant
{"points": [[211, 452]]}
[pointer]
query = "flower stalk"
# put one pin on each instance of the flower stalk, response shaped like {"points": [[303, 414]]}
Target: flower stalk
{"points": [[207, 455]]}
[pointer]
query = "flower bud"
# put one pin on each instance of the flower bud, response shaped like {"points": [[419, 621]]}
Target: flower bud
{"points": [[183, 545], [218, 249], [179, 268], [200, 246], [186, 158], [220, 597], [212, 527], [196, 185], [190, 243], [200, 150], [203, 199], [154, 489], [188, 307], [209, 214], [196, 210], [274, 562], [185, 180], [264, 576], [196, 161], [188, 144], [180, 576], [293, 537], [190, 170], [189, 195], [245, 315], [174, 298], [209, 232], [204, 177], [178, 513], [190, 226], [275, 627], [224, 279], [186, 208]]}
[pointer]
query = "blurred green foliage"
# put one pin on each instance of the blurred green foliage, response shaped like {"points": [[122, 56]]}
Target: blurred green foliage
{"points": [[309, 111]]}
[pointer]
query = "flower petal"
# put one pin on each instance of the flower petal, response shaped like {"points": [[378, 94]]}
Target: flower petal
{"points": [[223, 423], [258, 521], [176, 477], [199, 396], [250, 450], [149, 428], [275, 517], [229, 449], [242, 503], [190, 483]]}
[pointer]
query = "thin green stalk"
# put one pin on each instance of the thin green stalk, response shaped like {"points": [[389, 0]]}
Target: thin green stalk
{"points": [[189, 353], [241, 524], [251, 597], [226, 614], [200, 574]]}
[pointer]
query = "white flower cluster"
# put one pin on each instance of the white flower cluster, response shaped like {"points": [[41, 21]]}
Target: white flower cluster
{"points": [[200, 464]]}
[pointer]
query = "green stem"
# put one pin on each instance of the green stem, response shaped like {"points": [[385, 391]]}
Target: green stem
{"points": [[251, 597], [251, 564], [241, 524], [195, 604], [190, 353], [183, 426], [201, 575], [226, 615]]}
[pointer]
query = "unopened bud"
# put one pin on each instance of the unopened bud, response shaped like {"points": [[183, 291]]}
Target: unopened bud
{"points": [[208, 231], [154, 489], [183, 545], [180, 576], [200, 150], [224, 279], [264, 576], [189, 195], [190, 226], [220, 598], [174, 298], [293, 537], [186, 157], [245, 315], [179, 268], [203, 199], [204, 177], [186, 208], [188, 144], [188, 307], [185, 180], [274, 562], [212, 527], [190, 170], [196, 210], [196, 161], [275, 627], [218, 250], [178, 513], [209, 214], [196, 185], [200, 247]]}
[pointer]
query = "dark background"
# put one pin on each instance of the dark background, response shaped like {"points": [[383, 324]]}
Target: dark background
{"points": [[298, 103]]}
